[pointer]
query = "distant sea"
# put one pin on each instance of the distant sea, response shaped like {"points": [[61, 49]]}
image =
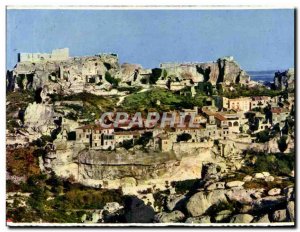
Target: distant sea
{"points": [[262, 76]]}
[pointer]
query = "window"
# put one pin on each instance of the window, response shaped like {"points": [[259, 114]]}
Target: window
{"points": [[95, 144], [87, 136]]}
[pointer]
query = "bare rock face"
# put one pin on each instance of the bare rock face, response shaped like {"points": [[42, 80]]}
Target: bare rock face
{"points": [[39, 118], [201, 201], [285, 80], [132, 74], [224, 70], [68, 76]]}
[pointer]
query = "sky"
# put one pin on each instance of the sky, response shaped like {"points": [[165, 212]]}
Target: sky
{"points": [[257, 39]]}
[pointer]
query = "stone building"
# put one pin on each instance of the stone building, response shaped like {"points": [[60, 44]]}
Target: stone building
{"points": [[122, 136], [239, 104], [259, 101], [163, 143], [96, 137], [279, 114], [55, 55]]}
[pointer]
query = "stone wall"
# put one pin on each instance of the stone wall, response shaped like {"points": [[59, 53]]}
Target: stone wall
{"points": [[57, 54]]}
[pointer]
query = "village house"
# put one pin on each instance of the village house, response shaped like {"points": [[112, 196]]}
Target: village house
{"points": [[263, 124], [96, 137], [279, 114], [122, 136], [259, 101], [162, 143], [242, 104]]}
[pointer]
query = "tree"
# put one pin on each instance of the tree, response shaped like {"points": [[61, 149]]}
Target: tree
{"points": [[183, 137], [156, 73], [263, 136], [111, 80], [282, 144]]}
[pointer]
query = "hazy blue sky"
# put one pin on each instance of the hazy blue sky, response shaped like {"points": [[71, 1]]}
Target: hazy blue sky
{"points": [[258, 39]]}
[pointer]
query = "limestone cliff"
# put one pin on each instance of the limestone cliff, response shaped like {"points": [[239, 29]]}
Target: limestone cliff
{"points": [[92, 74], [285, 80], [224, 70]]}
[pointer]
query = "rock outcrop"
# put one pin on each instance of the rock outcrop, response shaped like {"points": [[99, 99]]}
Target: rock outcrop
{"points": [[39, 118], [285, 80], [201, 201], [225, 69]]}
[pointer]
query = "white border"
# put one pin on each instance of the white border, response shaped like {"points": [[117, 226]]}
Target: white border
{"points": [[116, 5], [151, 224], [153, 7]]}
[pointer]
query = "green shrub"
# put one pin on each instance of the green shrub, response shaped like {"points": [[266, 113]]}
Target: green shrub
{"points": [[275, 163], [113, 81]]}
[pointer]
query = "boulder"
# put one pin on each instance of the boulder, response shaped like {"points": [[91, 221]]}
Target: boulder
{"points": [[174, 201], [112, 207], [175, 216], [209, 169], [96, 216], [136, 211], [256, 195], [259, 176], [266, 174], [83, 218], [247, 178], [243, 196], [222, 215], [235, 183], [217, 185], [279, 216], [274, 191], [269, 202], [39, 118], [269, 179], [291, 211], [246, 208], [201, 201], [289, 192], [195, 220], [241, 218], [262, 219]]}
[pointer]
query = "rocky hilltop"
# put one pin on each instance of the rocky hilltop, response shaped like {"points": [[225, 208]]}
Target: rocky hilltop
{"points": [[285, 80], [236, 166], [99, 74]]}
